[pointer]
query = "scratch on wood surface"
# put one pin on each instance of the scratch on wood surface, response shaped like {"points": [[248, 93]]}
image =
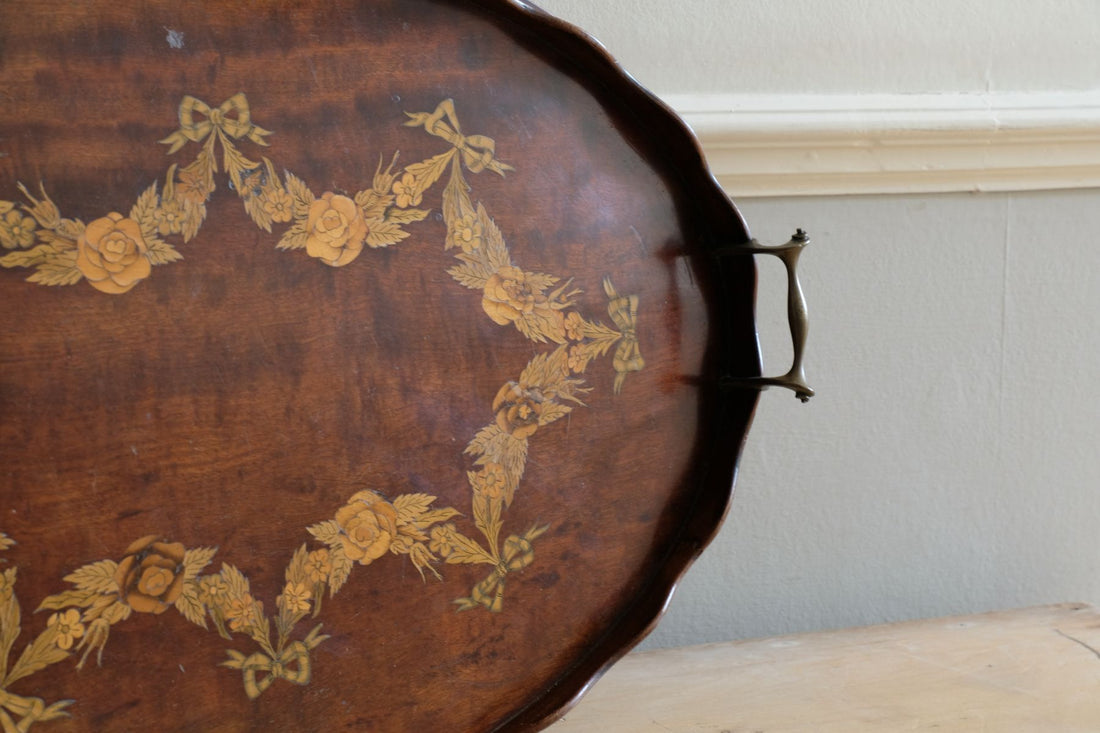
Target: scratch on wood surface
{"points": [[1077, 641], [175, 38]]}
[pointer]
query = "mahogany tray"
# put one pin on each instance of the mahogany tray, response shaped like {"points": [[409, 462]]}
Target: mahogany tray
{"points": [[365, 365]]}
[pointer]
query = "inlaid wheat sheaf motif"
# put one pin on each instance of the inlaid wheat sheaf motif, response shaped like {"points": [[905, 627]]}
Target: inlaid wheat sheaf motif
{"points": [[115, 253]]}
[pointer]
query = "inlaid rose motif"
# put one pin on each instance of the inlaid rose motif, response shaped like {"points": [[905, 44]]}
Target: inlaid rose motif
{"points": [[514, 296], [150, 577], [518, 410], [336, 230], [112, 254], [369, 525]]}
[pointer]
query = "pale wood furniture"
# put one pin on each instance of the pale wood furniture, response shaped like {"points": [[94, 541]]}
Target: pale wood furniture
{"points": [[1025, 670]]}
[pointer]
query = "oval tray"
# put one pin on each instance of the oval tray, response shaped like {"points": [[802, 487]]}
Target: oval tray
{"points": [[361, 364]]}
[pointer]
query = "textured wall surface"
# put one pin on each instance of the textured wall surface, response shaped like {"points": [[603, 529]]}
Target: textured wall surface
{"points": [[949, 463]]}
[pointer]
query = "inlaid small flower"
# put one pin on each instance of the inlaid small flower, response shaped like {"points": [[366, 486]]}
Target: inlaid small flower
{"points": [[442, 539], [491, 481], [574, 326], [68, 627], [318, 565], [466, 233], [278, 204], [405, 191], [213, 590], [16, 230], [169, 217], [240, 612], [296, 597]]}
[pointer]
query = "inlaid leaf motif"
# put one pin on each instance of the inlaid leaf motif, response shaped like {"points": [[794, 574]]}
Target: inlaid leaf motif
{"points": [[116, 612], [55, 711], [296, 569], [196, 215], [374, 202], [407, 216], [144, 212], [469, 275], [552, 412], [341, 569], [435, 516], [64, 238], [485, 441], [189, 605], [39, 654], [9, 619], [411, 506], [327, 531], [57, 269], [162, 253], [294, 237], [235, 580], [195, 560], [98, 577], [495, 249], [28, 257], [254, 207], [487, 515], [300, 193], [385, 233], [67, 599], [467, 551], [424, 175]]}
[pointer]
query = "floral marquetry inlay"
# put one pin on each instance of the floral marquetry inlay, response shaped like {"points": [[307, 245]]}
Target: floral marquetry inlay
{"points": [[115, 252]]}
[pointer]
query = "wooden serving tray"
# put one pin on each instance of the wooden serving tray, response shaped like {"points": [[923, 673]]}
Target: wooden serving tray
{"points": [[365, 365]]}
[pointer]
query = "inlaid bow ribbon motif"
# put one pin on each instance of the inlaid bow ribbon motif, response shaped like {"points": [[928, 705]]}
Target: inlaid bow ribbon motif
{"points": [[516, 554], [623, 310], [28, 710], [198, 120], [260, 670], [477, 151]]}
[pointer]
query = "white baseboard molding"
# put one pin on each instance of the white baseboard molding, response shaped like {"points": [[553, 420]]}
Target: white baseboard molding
{"points": [[789, 145]]}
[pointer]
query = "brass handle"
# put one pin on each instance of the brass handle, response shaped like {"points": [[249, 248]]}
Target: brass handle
{"points": [[795, 378]]}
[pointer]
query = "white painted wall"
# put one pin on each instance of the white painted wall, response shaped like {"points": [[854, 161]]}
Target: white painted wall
{"points": [[950, 462], [841, 46]]}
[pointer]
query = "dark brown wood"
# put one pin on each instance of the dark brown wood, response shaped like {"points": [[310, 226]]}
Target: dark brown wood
{"points": [[235, 397]]}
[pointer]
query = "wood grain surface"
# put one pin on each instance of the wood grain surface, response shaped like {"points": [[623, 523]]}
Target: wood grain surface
{"points": [[235, 397], [1032, 669]]}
